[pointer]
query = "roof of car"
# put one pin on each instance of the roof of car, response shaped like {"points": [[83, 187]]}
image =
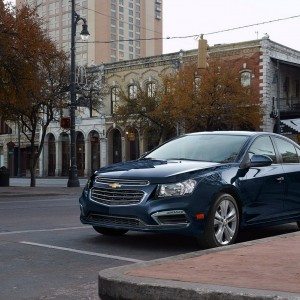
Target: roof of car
{"points": [[228, 132]]}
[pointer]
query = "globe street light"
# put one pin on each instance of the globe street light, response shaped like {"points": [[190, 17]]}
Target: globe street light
{"points": [[75, 18]]}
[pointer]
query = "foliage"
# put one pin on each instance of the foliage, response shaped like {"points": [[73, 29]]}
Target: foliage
{"points": [[143, 112], [33, 76], [214, 101]]}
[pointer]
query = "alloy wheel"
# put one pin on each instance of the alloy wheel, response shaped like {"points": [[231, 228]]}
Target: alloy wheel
{"points": [[225, 222]]}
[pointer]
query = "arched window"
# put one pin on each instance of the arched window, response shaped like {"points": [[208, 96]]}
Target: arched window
{"points": [[132, 91], [114, 98], [151, 89], [246, 78]]}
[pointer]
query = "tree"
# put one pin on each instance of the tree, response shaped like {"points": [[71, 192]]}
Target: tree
{"points": [[91, 90], [142, 110], [33, 76], [214, 101]]}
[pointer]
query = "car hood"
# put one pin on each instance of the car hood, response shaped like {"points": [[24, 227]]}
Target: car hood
{"points": [[155, 171]]}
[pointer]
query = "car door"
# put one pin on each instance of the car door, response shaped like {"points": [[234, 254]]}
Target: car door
{"points": [[263, 187], [291, 166]]}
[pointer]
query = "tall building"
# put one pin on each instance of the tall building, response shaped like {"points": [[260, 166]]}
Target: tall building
{"points": [[119, 29]]}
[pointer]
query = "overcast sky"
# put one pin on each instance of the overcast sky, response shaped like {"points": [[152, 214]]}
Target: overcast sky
{"points": [[188, 17]]}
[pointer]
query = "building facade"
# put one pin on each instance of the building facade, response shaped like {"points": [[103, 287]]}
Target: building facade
{"points": [[272, 69], [119, 29]]}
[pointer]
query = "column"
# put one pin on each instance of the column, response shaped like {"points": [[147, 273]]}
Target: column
{"points": [[103, 152], [58, 158], [123, 143], [87, 157]]}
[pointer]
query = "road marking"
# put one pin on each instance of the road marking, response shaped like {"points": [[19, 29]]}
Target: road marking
{"points": [[84, 252], [43, 230]]}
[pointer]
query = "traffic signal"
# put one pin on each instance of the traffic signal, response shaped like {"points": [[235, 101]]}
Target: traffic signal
{"points": [[202, 53]]}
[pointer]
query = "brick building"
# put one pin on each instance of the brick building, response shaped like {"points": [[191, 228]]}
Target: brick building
{"points": [[273, 69]]}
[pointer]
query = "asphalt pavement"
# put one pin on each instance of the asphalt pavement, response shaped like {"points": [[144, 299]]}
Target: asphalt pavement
{"points": [[46, 253]]}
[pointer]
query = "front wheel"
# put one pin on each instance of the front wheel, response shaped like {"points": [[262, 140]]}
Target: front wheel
{"points": [[222, 223], [110, 231]]}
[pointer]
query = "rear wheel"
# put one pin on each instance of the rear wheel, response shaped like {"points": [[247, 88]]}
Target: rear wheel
{"points": [[222, 223], [298, 223], [110, 231]]}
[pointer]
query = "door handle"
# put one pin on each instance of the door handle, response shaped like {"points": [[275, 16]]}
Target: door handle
{"points": [[280, 179]]}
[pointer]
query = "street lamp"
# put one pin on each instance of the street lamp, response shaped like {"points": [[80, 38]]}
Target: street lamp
{"points": [[75, 18]]}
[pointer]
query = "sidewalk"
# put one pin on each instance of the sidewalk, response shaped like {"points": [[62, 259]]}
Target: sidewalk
{"points": [[262, 269], [26, 191], [20, 187]]}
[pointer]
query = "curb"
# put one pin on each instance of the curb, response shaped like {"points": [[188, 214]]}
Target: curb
{"points": [[114, 284]]}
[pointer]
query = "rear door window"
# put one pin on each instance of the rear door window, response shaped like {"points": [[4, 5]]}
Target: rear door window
{"points": [[287, 151]]}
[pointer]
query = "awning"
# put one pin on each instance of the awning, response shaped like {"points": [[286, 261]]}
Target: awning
{"points": [[290, 126]]}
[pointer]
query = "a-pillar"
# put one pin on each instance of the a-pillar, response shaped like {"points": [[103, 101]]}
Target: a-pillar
{"points": [[87, 157]]}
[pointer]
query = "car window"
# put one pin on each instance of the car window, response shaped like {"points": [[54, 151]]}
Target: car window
{"points": [[287, 151], [221, 148], [298, 152], [263, 146]]}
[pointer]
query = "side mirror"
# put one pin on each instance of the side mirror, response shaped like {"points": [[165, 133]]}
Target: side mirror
{"points": [[256, 161], [260, 161]]}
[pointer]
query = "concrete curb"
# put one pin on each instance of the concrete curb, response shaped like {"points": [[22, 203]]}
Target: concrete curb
{"points": [[115, 284], [23, 192]]}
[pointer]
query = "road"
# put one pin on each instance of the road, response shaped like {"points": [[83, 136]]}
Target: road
{"points": [[46, 253]]}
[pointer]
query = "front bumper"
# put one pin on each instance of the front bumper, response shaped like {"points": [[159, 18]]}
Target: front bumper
{"points": [[176, 215]]}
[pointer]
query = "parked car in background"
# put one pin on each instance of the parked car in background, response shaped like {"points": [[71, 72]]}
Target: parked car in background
{"points": [[207, 185]]}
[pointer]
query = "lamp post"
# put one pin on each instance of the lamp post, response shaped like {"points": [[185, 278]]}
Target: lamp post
{"points": [[75, 18]]}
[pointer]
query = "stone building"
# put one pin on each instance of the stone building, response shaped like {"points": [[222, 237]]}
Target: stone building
{"points": [[273, 69]]}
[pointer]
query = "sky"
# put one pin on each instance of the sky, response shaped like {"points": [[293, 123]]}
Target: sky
{"points": [[189, 17]]}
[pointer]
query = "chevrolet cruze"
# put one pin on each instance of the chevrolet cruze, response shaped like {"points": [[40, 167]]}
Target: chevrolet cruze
{"points": [[207, 185]]}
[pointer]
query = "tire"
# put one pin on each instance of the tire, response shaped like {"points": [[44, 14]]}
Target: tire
{"points": [[222, 223], [298, 223], [110, 231]]}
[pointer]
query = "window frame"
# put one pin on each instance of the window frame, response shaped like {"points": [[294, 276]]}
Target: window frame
{"points": [[114, 98]]}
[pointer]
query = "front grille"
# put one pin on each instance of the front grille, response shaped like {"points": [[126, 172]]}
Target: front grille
{"points": [[122, 182], [111, 220], [116, 196]]}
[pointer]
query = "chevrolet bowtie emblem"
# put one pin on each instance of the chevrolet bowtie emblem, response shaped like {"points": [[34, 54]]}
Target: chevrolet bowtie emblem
{"points": [[114, 185]]}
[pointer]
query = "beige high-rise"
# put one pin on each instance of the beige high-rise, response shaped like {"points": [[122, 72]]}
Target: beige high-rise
{"points": [[119, 29]]}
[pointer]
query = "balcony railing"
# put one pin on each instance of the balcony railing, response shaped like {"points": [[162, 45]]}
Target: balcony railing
{"points": [[289, 107]]}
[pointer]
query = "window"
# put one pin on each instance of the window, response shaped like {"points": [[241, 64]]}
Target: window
{"points": [[263, 146], [132, 91], [298, 152], [246, 78], [287, 151], [114, 98], [151, 89]]}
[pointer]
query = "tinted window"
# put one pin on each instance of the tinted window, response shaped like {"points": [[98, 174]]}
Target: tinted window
{"points": [[298, 152], [204, 147], [287, 151], [263, 146]]}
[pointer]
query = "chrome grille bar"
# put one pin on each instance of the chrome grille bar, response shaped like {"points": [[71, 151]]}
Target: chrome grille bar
{"points": [[116, 197], [123, 182]]}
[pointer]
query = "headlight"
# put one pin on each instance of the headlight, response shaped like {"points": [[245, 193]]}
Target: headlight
{"points": [[176, 189]]}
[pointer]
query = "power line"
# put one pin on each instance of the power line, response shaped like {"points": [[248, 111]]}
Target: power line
{"points": [[196, 35], [115, 18]]}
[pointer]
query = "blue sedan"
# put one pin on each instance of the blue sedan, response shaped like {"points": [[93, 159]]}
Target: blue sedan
{"points": [[207, 185]]}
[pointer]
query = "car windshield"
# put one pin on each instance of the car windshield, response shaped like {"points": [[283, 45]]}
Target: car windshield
{"points": [[221, 148]]}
